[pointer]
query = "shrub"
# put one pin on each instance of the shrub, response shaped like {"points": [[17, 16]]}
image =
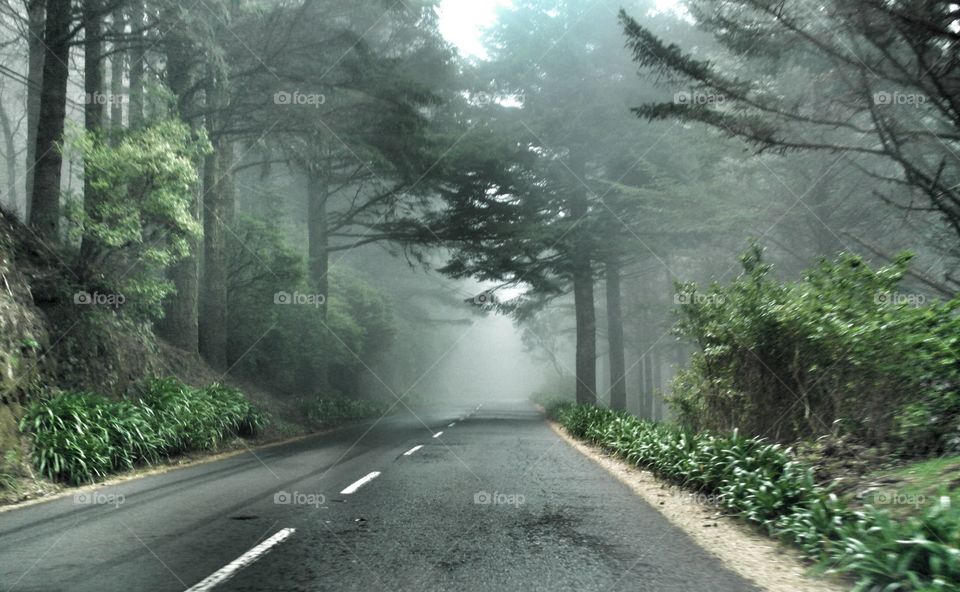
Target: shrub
{"points": [[765, 484], [835, 351], [80, 437], [297, 347], [332, 409], [72, 437], [140, 222]]}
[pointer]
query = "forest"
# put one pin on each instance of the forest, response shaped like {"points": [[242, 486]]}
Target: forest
{"points": [[716, 240]]}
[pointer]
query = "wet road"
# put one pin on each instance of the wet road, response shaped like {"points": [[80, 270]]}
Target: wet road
{"points": [[496, 501]]}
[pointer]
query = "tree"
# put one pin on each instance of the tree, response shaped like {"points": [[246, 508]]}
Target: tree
{"points": [[560, 61], [45, 198], [884, 88]]}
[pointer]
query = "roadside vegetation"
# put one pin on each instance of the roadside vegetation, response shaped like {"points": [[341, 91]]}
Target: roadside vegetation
{"points": [[331, 410], [80, 437], [792, 381], [764, 483], [841, 352]]}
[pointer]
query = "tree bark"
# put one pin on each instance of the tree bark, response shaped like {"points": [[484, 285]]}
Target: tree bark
{"points": [[117, 61], [582, 274], [618, 384], [137, 56], [179, 325], [36, 9], [93, 112], [647, 371], [657, 379], [10, 150], [217, 195], [45, 207], [586, 362], [317, 235]]}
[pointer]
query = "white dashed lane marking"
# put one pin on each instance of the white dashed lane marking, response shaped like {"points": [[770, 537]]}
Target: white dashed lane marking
{"points": [[412, 450], [360, 483], [227, 571]]}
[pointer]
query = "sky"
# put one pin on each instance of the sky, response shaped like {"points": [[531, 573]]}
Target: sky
{"points": [[462, 21]]}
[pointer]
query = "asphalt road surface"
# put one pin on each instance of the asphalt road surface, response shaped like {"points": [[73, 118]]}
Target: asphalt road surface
{"points": [[495, 502]]}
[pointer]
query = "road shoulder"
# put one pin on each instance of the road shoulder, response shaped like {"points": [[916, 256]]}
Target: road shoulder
{"points": [[772, 566]]}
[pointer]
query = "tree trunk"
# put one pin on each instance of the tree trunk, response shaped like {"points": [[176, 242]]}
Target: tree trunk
{"points": [[93, 121], [318, 193], [180, 321], [218, 193], [618, 383], [586, 364], [657, 378], [137, 56], [45, 210], [36, 9], [10, 154], [582, 274], [116, 71], [647, 371]]}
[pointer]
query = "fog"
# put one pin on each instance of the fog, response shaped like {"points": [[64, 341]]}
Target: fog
{"points": [[568, 165]]}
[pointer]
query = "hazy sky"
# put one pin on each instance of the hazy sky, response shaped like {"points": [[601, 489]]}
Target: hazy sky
{"points": [[463, 21]]}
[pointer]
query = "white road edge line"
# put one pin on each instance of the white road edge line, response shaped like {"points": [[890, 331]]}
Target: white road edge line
{"points": [[437, 435], [360, 483], [227, 571], [412, 450], [451, 424]]}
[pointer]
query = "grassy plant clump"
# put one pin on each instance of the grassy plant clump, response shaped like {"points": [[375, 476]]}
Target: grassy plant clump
{"points": [[763, 483], [80, 437]]}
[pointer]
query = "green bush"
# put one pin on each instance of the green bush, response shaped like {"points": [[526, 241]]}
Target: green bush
{"points": [[763, 483], [838, 351], [333, 409], [81, 437], [296, 347], [140, 222]]}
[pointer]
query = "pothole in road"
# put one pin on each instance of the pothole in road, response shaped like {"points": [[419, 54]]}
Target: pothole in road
{"points": [[244, 517]]}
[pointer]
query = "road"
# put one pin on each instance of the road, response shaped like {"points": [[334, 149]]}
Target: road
{"points": [[497, 501]]}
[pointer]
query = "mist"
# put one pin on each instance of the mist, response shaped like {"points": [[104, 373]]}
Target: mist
{"points": [[479, 295]]}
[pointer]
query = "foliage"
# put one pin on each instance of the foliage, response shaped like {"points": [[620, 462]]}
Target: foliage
{"points": [[140, 219], [80, 437], [763, 483], [838, 351], [284, 341], [325, 410], [9, 471]]}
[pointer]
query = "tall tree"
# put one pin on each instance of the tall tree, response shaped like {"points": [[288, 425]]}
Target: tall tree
{"points": [[45, 200], [36, 12], [93, 116], [885, 89]]}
